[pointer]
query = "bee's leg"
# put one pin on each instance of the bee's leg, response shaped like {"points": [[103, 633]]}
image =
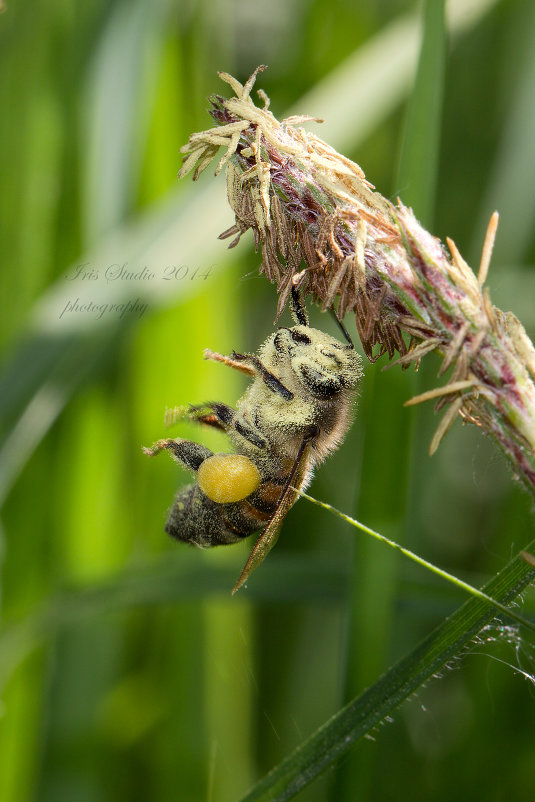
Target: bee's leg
{"points": [[208, 418], [227, 360], [269, 378], [174, 414], [250, 364], [194, 413], [213, 413], [187, 453], [224, 417]]}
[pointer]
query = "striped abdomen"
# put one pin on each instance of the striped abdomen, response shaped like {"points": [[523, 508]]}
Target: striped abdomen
{"points": [[196, 519]]}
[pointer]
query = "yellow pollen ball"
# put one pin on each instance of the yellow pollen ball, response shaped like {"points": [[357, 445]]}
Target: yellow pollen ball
{"points": [[228, 477]]}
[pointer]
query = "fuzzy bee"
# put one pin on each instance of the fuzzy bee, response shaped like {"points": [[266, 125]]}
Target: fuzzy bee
{"points": [[296, 411]]}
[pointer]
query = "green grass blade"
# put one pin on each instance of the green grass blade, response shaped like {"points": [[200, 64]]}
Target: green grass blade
{"points": [[512, 172], [419, 157], [361, 715]]}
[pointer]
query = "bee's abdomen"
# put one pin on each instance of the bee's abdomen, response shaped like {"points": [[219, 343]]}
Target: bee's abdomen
{"points": [[194, 518]]}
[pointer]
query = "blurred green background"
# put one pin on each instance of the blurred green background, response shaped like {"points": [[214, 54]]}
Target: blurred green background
{"points": [[127, 670]]}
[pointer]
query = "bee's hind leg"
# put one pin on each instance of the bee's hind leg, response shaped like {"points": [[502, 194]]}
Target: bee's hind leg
{"points": [[185, 452]]}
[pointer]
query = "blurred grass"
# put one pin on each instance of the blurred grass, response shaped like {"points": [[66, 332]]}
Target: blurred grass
{"points": [[181, 690], [371, 614]]}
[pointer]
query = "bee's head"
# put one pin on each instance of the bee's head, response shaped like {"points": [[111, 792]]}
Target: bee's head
{"points": [[315, 362], [308, 361]]}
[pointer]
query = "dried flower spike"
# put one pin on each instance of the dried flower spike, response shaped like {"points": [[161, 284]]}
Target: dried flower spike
{"points": [[319, 221]]}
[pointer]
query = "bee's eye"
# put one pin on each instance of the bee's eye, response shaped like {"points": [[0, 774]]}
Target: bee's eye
{"points": [[299, 337]]}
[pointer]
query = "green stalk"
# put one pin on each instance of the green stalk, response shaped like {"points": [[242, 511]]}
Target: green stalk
{"points": [[479, 594]]}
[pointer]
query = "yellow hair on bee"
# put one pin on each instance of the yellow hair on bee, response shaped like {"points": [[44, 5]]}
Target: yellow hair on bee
{"points": [[225, 478]]}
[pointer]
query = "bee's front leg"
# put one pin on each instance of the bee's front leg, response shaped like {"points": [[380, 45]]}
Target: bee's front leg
{"points": [[214, 413], [251, 364], [185, 452], [230, 361], [269, 379]]}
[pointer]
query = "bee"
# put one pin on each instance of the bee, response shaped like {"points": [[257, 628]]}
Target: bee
{"points": [[294, 414]]}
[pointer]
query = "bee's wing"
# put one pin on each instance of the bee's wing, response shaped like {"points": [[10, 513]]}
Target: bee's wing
{"points": [[269, 536]]}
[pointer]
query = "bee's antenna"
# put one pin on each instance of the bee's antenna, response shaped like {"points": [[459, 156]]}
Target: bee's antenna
{"points": [[299, 311], [343, 329]]}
